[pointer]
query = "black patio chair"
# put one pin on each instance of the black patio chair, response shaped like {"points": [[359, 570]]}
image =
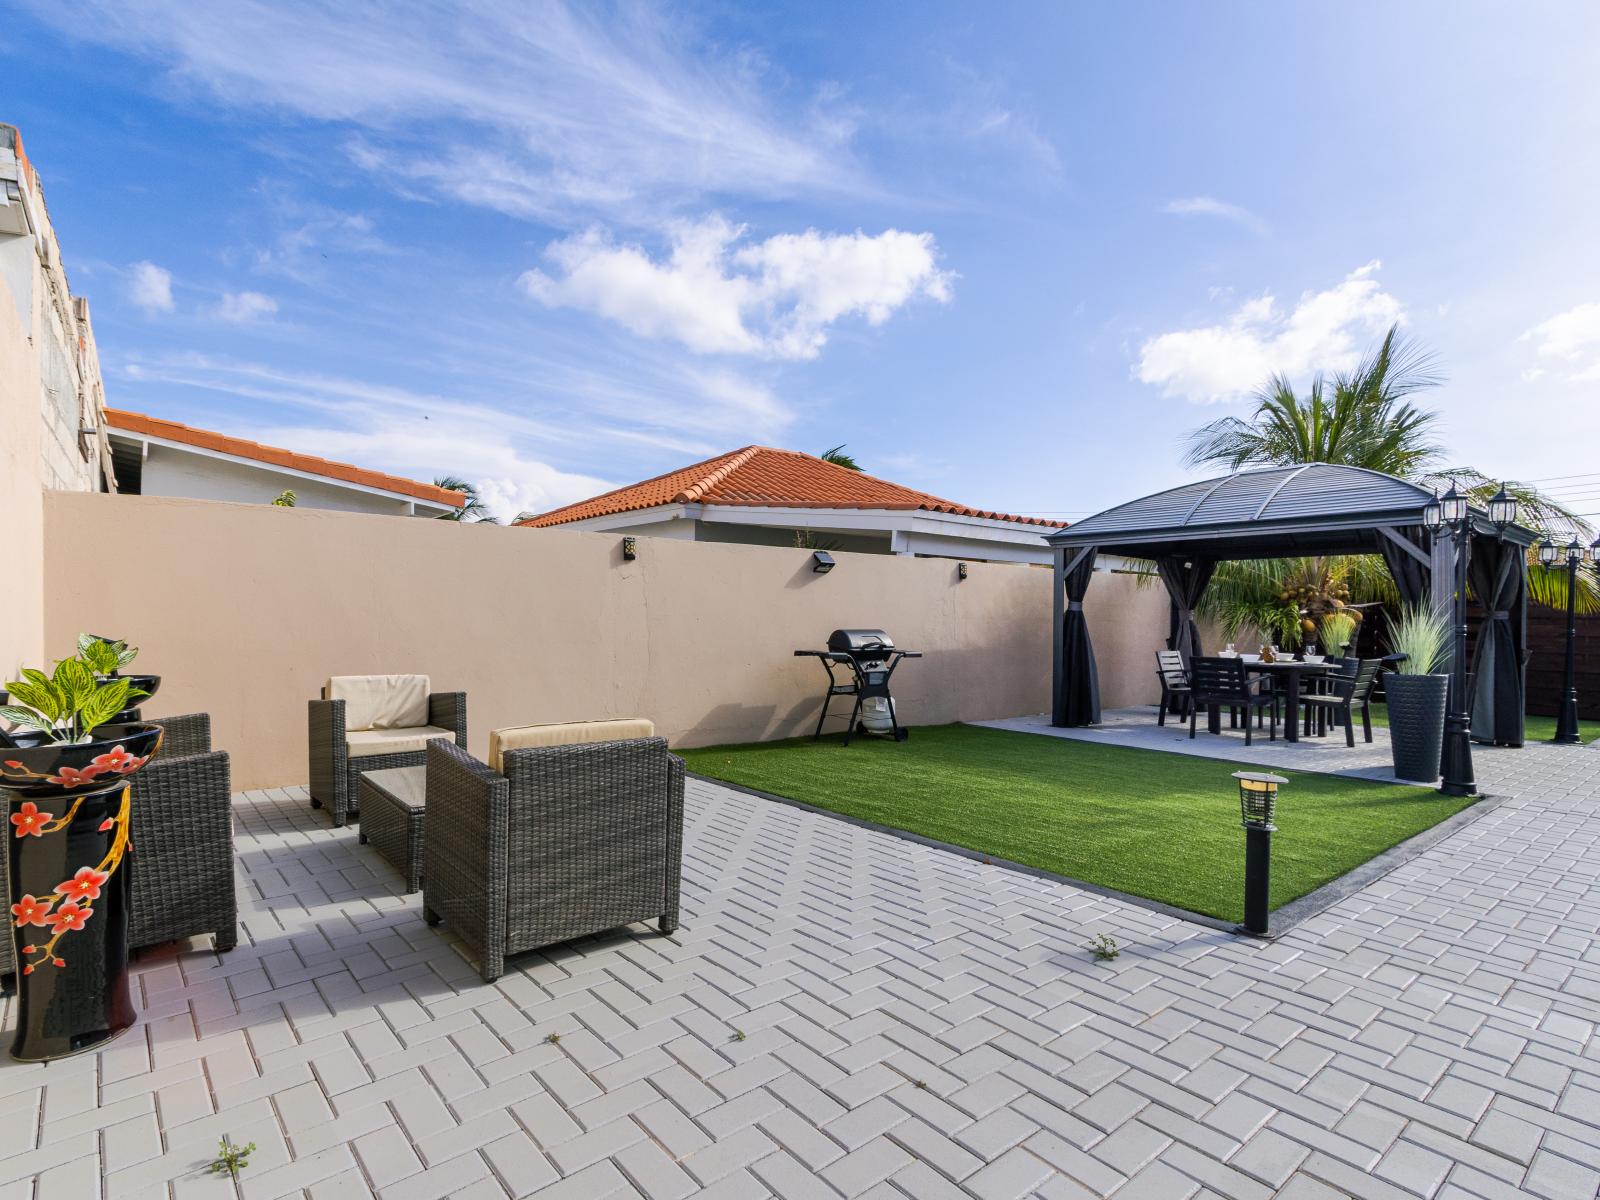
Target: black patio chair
{"points": [[1351, 691], [1218, 682], [1174, 681]]}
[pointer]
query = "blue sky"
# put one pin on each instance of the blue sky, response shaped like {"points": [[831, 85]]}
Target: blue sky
{"points": [[1008, 254]]}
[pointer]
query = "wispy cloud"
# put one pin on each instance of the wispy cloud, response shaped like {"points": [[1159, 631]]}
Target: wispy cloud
{"points": [[1569, 341], [241, 308], [150, 287], [1324, 331], [550, 110], [501, 430], [1207, 206], [776, 298]]}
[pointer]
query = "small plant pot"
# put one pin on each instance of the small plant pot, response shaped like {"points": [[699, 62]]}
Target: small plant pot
{"points": [[1416, 724]]}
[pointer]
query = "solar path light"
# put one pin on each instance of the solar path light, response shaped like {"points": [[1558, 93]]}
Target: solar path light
{"points": [[1258, 805]]}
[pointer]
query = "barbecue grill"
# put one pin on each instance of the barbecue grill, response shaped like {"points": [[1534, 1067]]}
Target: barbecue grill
{"points": [[870, 657]]}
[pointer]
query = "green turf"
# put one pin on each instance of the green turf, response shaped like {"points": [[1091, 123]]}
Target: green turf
{"points": [[1163, 826], [1535, 729]]}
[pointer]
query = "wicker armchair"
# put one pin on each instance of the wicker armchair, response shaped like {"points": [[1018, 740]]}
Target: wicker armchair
{"points": [[570, 840], [182, 881], [341, 749]]}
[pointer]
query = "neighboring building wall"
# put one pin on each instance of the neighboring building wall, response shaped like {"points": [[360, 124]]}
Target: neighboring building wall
{"points": [[763, 535], [173, 471], [50, 390], [245, 610]]}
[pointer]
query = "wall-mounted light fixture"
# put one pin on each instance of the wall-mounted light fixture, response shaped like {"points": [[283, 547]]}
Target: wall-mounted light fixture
{"points": [[961, 570], [821, 562], [630, 548]]}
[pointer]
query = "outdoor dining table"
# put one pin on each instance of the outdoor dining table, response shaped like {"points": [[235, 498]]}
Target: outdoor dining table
{"points": [[1290, 672]]}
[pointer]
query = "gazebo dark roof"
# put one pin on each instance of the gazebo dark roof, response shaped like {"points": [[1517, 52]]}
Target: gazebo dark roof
{"points": [[1275, 512]]}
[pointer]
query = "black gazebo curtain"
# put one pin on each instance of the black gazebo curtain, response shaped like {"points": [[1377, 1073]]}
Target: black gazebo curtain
{"points": [[1498, 576], [1079, 703], [1186, 580], [1412, 578]]}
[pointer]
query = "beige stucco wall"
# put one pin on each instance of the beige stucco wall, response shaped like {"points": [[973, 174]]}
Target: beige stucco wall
{"points": [[246, 609], [1127, 624]]}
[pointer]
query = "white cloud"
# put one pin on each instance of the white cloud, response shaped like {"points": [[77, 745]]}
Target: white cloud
{"points": [[240, 308], [1572, 338], [1207, 206], [1325, 331], [150, 287], [776, 298], [537, 110]]}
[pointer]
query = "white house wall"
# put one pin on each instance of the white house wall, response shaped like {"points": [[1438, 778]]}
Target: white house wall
{"points": [[169, 471]]}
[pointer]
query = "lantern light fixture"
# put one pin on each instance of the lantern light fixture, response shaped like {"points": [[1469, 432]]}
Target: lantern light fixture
{"points": [[630, 548], [821, 562], [1453, 506], [1574, 551], [1547, 552], [1503, 508], [1432, 513], [1258, 798]]}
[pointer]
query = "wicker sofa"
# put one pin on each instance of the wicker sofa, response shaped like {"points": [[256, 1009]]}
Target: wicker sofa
{"points": [[370, 723], [568, 830], [182, 878]]}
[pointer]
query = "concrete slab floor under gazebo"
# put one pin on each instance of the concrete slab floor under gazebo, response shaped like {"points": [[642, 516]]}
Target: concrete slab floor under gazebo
{"points": [[1289, 512]]}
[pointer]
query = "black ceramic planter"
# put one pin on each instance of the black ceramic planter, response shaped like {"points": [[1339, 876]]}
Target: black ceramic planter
{"points": [[148, 684], [69, 856], [1416, 724]]}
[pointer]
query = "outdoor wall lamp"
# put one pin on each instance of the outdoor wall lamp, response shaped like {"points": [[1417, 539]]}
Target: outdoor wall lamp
{"points": [[630, 548], [1258, 805], [961, 570], [821, 562]]}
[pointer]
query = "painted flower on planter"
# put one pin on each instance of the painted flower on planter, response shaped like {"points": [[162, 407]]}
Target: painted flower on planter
{"points": [[75, 776], [30, 822], [29, 911], [85, 885], [118, 760], [69, 918]]}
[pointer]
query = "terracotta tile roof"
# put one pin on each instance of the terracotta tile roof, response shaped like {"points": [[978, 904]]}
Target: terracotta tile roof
{"points": [[761, 475], [221, 443]]}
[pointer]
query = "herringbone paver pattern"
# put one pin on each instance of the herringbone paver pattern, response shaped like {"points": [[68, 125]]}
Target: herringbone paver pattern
{"points": [[848, 1014]]}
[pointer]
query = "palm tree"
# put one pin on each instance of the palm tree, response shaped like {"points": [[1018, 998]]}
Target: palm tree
{"points": [[474, 511], [1361, 418], [839, 458]]}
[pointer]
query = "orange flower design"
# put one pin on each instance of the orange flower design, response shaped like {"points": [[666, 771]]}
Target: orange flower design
{"points": [[29, 911], [76, 776], [69, 918], [85, 885], [30, 822]]}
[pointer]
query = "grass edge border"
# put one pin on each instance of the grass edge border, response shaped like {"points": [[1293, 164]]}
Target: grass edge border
{"points": [[1283, 920]]}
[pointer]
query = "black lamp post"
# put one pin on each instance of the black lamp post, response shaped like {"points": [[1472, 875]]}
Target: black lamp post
{"points": [[1258, 804], [1450, 516], [1567, 722]]}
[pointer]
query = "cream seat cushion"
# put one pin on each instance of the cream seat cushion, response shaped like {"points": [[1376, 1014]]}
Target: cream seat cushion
{"points": [[364, 743], [571, 733], [381, 701]]}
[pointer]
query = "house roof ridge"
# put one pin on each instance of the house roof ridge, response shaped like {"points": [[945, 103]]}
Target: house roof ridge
{"points": [[762, 476], [311, 464]]}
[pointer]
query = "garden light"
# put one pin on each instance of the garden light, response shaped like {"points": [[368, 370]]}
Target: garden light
{"points": [[1502, 508], [1258, 805]]}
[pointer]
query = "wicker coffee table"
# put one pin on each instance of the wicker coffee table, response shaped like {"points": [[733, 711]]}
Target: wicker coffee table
{"points": [[392, 814]]}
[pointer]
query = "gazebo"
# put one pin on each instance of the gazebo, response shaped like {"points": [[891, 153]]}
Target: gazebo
{"points": [[1288, 512]]}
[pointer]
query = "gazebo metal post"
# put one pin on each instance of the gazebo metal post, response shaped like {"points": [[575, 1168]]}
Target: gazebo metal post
{"points": [[1567, 722]]}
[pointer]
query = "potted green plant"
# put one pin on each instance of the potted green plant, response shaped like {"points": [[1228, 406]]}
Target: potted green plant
{"points": [[1336, 630], [1416, 689], [64, 769]]}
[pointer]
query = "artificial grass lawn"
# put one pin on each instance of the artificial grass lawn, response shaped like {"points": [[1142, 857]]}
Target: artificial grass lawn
{"points": [[1534, 729], [1163, 826]]}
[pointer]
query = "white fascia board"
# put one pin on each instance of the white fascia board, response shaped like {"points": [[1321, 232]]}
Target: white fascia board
{"points": [[145, 440]]}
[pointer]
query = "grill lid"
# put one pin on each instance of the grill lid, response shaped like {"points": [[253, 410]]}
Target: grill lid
{"points": [[859, 641]]}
